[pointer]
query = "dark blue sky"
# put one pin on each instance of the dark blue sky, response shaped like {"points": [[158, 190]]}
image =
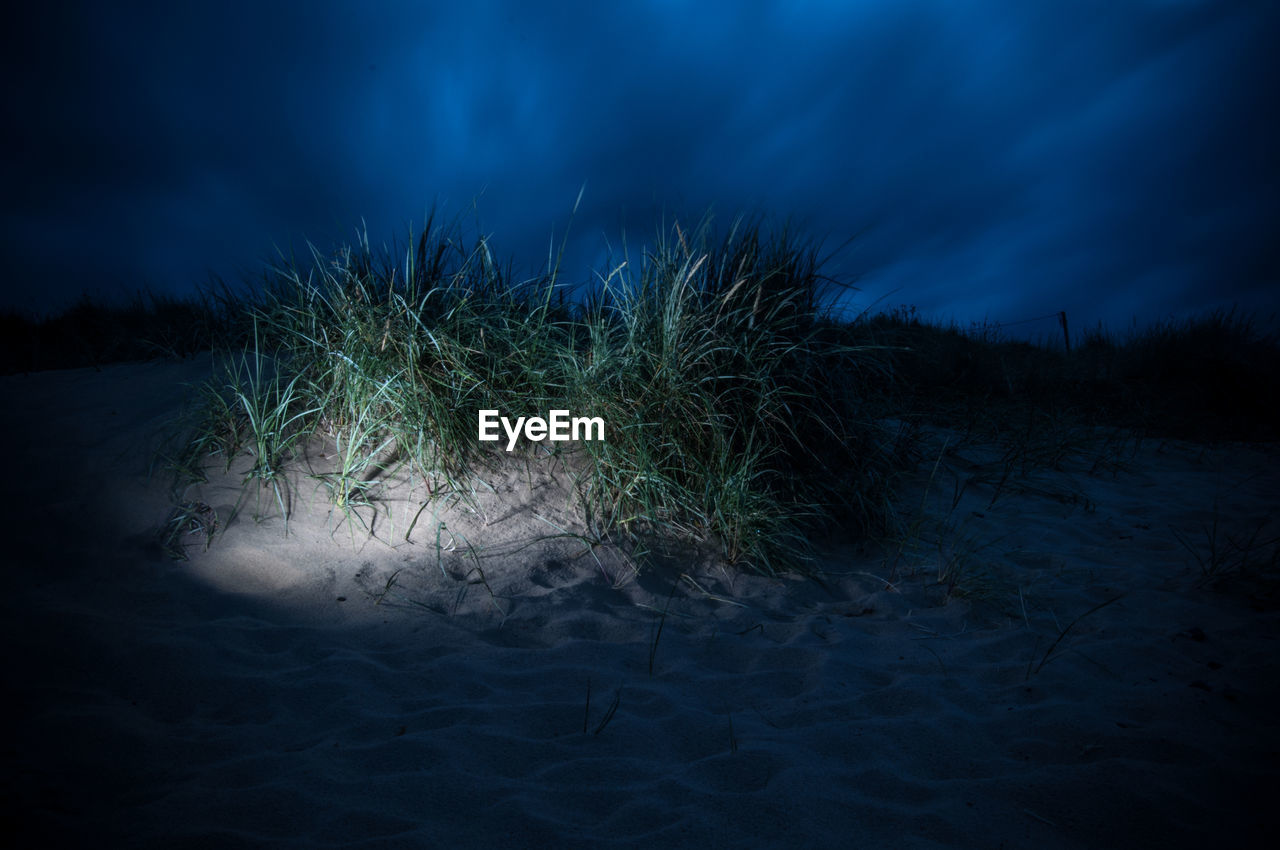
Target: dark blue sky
{"points": [[999, 158]]}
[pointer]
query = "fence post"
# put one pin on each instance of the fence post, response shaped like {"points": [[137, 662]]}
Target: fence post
{"points": [[1066, 336]]}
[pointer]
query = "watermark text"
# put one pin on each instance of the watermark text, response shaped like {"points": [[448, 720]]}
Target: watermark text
{"points": [[559, 426]]}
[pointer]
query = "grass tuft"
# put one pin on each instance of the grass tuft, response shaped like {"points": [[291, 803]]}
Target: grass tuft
{"points": [[714, 368]]}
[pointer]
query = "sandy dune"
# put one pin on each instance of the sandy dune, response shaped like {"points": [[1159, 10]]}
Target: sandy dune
{"points": [[326, 689]]}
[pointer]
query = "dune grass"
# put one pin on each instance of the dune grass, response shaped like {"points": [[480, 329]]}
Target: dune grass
{"points": [[739, 409], [92, 333], [1204, 378], [712, 366]]}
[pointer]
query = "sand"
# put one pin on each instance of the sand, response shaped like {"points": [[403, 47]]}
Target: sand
{"points": [[328, 689]]}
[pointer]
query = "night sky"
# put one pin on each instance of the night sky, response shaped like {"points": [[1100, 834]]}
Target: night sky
{"points": [[994, 159]]}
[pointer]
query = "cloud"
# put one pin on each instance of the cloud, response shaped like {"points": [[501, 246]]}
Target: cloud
{"points": [[996, 157]]}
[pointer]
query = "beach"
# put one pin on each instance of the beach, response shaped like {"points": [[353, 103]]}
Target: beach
{"points": [[1072, 657]]}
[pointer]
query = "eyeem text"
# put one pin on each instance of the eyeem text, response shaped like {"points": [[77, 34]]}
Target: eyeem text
{"points": [[557, 427]]}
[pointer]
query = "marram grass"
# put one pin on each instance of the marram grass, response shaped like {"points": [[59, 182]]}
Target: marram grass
{"points": [[709, 364]]}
